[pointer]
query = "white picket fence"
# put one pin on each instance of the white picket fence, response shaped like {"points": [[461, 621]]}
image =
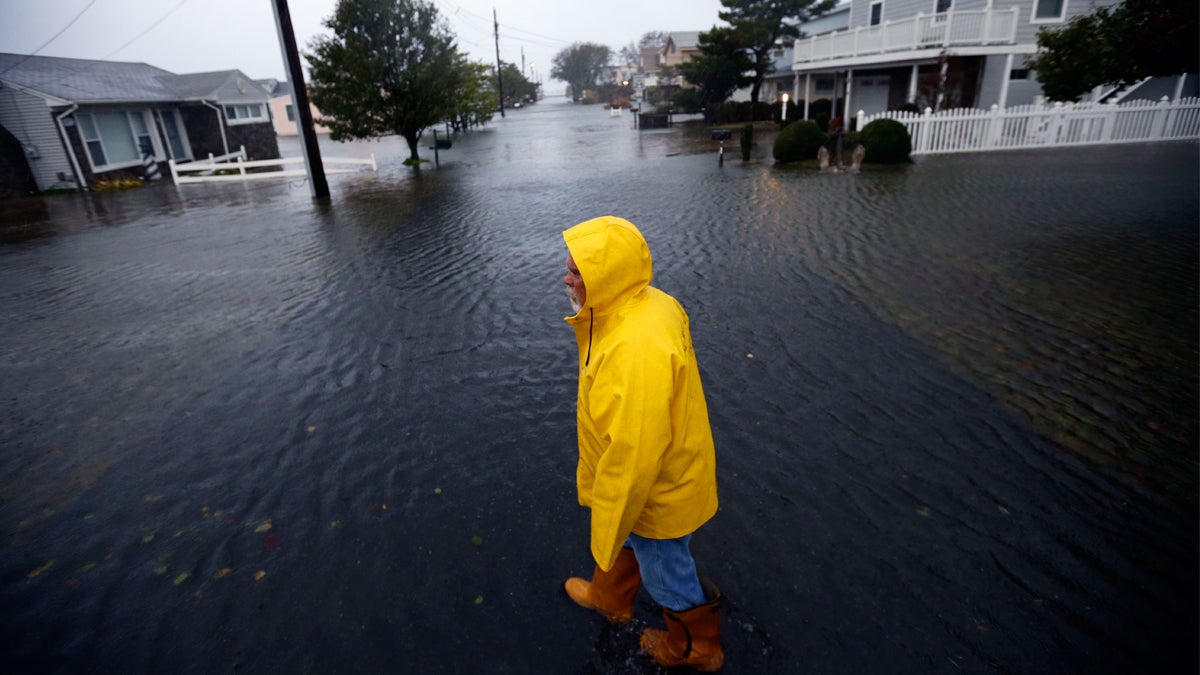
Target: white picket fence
{"points": [[1045, 125], [233, 167]]}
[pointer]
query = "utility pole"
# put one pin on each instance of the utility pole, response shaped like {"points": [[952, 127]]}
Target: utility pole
{"points": [[308, 136], [499, 66]]}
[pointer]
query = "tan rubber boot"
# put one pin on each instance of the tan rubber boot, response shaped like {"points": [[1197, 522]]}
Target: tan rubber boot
{"points": [[611, 593], [692, 637]]}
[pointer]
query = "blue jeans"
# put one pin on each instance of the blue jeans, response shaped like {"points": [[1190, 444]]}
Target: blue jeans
{"points": [[668, 571]]}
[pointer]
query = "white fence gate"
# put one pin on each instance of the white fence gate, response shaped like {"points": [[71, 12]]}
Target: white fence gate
{"points": [[1045, 126], [233, 167]]}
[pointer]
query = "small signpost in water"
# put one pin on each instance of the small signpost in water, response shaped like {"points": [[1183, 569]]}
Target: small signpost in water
{"points": [[439, 144], [721, 135]]}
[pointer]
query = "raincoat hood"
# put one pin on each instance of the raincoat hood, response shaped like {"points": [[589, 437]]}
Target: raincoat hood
{"points": [[613, 259]]}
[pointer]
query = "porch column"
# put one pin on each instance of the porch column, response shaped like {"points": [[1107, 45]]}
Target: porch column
{"points": [[1008, 63], [912, 84], [807, 92], [846, 107], [795, 86]]}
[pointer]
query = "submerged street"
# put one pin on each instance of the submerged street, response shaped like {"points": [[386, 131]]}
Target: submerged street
{"points": [[954, 404]]}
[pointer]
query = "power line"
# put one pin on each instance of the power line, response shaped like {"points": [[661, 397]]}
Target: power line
{"points": [[152, 27], [52, 38]]}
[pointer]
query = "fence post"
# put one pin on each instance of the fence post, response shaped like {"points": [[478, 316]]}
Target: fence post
{"points": [[174, 174], [1110, 122], [926, 130], [241, 168], [1055, 128], [1158, 129], [994, 127], [861, 121]]}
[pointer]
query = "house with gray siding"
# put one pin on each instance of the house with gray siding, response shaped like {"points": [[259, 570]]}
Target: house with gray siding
{"points": [[78, 121], [939, 54]]}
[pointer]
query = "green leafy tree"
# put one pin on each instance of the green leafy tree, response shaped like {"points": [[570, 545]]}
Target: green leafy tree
{"points": [[1116, 46], [390, 67], [719, 67], [580, 66], [516, 87], [761, 24], [476, 100]]}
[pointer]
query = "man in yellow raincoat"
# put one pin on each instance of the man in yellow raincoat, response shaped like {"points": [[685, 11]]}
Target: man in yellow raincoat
{"points": [[647, 467]]}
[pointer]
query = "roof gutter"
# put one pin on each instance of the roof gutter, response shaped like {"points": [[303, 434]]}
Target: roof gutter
{"points": [[62, 131], [220, 121]]}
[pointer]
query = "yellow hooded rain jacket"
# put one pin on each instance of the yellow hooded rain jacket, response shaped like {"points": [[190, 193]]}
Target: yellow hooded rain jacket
{"points": [[646, 459]]}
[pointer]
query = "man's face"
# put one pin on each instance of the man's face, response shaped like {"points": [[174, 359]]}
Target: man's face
{"points": [[575, 288]]}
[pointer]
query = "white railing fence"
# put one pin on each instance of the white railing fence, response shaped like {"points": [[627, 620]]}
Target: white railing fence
{"points": [[206, 171], [1046, 125], [923, 31]]}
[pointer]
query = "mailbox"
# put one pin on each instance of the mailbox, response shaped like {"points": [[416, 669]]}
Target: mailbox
{"points": [[721, 134], [442, 143]]}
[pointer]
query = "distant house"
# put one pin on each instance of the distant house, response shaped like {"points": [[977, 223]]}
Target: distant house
{"points": [[936, 53], [651, 57], [283, 109], [679, 48], [80, 121]]}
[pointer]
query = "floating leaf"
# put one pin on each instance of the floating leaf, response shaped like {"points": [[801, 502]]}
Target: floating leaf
{"points": [[479, 599], [265, 527], [182, 578], [147, 539], [160, 570], [923, 511], [87, 567], [311, 429], [477, 540], [271, 541], [222, 573], [749, 356], [335, 523], [437, 491], [43, 568], [258, 576]]}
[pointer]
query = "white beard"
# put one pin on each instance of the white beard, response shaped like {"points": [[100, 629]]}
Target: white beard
{"points": [[575, 306]]}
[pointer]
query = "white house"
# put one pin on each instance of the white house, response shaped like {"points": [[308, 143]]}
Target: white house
{"points": [[938, 54]]}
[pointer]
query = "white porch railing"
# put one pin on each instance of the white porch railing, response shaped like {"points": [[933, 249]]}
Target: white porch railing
{"points": [[1041, 126], [206, 171], [923, 31]]}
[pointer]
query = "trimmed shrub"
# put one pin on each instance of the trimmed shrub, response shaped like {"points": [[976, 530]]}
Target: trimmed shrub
{"points": [[886, 141], [798, 142], [747, 139]]}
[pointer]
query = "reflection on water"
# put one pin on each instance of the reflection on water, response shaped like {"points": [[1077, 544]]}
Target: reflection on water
{"points": [[955, 406]]}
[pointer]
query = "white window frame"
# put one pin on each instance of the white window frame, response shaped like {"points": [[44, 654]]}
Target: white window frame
{"points": [[949, 7], [1034, 18], [173, 113], [871, 11], [241, 113], [151, 129]]}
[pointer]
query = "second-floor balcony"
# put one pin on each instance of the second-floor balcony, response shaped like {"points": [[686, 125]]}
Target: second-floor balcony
{"points": [[921, 32]]}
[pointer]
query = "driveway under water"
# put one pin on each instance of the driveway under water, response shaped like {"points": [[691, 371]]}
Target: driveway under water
{"points": [[954, 405]]}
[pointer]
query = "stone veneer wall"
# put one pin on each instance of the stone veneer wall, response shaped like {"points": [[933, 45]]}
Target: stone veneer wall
{"points": [[15, 177]]}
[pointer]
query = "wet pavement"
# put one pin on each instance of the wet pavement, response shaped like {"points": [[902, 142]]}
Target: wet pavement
{"points": [[954, 405]]}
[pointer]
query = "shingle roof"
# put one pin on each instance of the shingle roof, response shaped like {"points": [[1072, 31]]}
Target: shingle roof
{"points": [[88, 81], [685, 38]]}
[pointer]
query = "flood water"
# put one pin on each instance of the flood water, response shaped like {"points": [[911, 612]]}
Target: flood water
{"points": [[955, 407]]}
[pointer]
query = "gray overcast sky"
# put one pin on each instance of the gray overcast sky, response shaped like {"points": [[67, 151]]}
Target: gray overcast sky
{"points": [[191, 36]]}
